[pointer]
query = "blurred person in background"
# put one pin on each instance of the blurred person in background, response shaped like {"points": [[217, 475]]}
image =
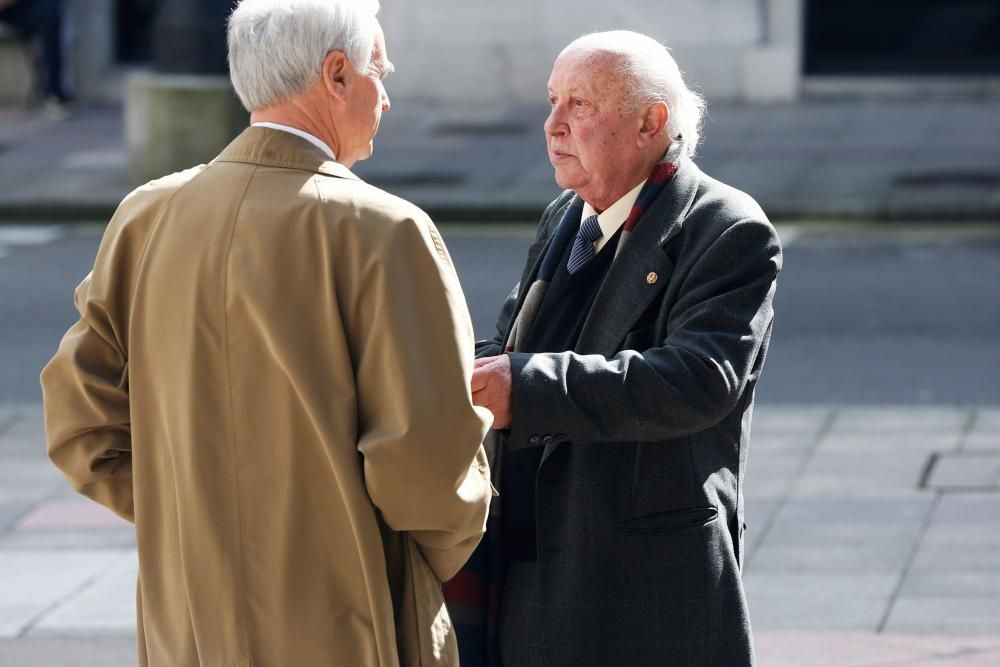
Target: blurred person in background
{"points": [[42, 20], [621, 379], [270, 376]]}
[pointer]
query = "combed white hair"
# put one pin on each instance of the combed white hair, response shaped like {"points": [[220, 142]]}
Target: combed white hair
{"points": [[277, 47], [652, 75]]}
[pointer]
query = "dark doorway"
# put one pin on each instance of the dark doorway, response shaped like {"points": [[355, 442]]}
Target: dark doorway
{"points": [[902, 37], [134, 19]]}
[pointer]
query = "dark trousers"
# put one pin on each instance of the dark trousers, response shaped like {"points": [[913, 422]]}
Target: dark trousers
{"points": [[42, 20]]}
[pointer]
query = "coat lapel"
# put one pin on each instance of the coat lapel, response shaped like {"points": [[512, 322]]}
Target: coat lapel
{"points": [[626, 291], [630, 285], [536, 255]]}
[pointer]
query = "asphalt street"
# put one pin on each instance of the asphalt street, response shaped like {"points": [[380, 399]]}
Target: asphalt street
{"points": [[864, 315]]}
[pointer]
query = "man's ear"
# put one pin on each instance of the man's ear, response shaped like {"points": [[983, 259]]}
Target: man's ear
{"points": [[653, 121], [336, 68]]}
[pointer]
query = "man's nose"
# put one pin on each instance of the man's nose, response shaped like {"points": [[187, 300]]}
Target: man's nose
{"points": [[554, 123]]}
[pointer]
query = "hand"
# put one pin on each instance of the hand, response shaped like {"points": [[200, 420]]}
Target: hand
{"points": [[491, 388]]}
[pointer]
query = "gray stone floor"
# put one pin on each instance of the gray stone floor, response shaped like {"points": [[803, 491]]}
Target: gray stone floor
{"points": [[874, 535]]}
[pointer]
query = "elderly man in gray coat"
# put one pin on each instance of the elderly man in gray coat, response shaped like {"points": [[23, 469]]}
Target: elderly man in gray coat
{"points": [[622, 380]]}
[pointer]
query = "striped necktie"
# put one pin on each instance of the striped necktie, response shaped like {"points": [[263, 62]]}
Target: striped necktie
{"points": [[583, 245]]}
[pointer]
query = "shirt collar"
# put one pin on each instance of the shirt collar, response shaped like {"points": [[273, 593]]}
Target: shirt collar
{"points": [[615, 215], [314, 140]]}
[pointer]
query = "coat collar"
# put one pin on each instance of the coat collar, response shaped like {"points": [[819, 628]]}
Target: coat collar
{"points": [[274, 148], [631, 285]]}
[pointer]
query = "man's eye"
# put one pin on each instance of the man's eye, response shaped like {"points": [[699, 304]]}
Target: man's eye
{"points": [[578, 103], [552, 101]]}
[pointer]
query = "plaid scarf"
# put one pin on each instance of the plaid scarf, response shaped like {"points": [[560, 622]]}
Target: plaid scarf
{"points": [[473, 596]]}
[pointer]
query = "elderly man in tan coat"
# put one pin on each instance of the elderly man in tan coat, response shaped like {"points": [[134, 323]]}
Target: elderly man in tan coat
{"points": [[270, 377]]}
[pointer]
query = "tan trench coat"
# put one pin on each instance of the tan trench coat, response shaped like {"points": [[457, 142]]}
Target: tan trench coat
{"points": [[270, 376]]}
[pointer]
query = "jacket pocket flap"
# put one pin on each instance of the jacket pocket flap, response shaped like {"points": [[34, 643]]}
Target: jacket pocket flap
{"points": [[671, 520]]}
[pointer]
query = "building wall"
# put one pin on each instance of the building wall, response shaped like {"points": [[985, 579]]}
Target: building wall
{"points": [[485, 51]]}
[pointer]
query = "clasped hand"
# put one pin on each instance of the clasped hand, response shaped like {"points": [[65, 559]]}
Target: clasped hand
{"points": [[491, 388]]}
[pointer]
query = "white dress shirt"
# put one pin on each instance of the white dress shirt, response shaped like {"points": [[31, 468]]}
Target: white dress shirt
{"points": [[614, 216], [315, 141]]}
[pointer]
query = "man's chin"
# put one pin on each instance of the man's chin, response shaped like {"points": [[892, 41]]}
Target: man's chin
{"points": [[566, 181]]}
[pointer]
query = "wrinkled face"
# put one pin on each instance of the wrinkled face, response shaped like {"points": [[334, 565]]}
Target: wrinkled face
{"points": [[367, 100], [591, 139]]}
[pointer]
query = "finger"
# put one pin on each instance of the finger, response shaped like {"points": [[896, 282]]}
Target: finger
{"points": [[484, 361], [480, 380]]}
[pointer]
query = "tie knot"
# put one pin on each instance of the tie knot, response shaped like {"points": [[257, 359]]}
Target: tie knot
{"points": [[590, 229]]}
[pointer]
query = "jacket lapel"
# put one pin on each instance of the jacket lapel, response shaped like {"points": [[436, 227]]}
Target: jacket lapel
{"points": [[626, 291], [536, 255], [631, 285]]}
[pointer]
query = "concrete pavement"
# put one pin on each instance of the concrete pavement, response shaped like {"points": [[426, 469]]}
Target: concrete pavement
{"points": [[885, 160], [873, 541]]}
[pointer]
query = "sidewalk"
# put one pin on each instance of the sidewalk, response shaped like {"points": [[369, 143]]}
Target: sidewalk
{"points": [[882, 160], [874, 536]]}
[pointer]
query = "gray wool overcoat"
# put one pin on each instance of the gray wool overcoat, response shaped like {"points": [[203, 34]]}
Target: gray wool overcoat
{"points": [[645, 427]]}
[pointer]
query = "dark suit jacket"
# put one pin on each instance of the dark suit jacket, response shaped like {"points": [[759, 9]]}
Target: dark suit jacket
{"points": [[645, 427]]}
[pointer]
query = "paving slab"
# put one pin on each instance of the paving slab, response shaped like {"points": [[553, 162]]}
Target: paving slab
{"points": [[89, 652], [965, 471], [829, 602], [771, 476], [105, 607], [854, 559], [952, 584], [955, 614], [780, 444], [28, 480], [855, 649], [834, 474], [864, 443], [798, 420], [33, 582], [956, 557], [987, 421], [914, 421]]}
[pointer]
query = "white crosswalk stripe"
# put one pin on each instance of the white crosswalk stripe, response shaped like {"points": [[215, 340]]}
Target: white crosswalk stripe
{"points": [[13, 236]]}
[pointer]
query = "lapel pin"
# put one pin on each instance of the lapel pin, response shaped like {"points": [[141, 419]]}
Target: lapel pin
{"points": [[651, 277]]}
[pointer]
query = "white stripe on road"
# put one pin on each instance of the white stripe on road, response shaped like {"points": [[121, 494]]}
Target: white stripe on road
{"points": [[30, 234]]}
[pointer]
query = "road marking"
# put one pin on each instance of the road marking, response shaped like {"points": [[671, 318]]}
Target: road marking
{"points": [[30, 234], [27, 235]]}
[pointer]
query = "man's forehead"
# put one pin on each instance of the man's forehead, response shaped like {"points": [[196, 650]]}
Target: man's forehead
{"points": [[582, 69]]}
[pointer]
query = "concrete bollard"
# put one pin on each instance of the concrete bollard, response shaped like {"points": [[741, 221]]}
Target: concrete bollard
{"points": [[177, 121]]}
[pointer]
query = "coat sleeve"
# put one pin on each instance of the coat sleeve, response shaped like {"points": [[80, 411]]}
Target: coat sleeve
{"points": [[420, 435], [86, 400], [690, 382]]}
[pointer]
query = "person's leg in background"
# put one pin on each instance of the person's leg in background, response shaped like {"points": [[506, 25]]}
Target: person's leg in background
{"points": [[42, 19]]}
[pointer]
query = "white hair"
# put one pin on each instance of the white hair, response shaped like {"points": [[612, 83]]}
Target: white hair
{"points": [[652, 75], [277, 47]]}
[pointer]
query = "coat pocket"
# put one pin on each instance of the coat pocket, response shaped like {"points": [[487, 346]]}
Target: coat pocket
{"points": [[662, 522]]}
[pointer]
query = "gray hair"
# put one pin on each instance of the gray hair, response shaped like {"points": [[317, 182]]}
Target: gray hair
{"points": [[652, 75], [277, 47]]}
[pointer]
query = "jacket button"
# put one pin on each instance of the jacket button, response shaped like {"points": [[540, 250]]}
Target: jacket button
{"points": [[534, 440], [548, 440]]}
